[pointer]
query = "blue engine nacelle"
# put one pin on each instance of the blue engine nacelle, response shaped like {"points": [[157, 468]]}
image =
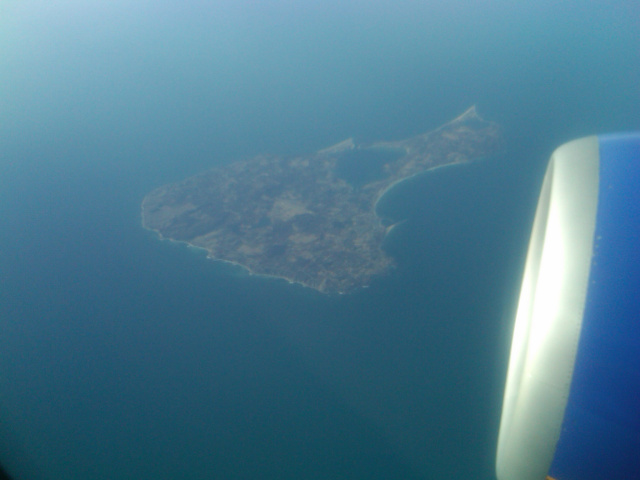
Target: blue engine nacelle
{"points": [[572, 399]]}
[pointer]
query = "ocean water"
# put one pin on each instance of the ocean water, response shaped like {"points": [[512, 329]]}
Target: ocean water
{"points": [[123, 356]]}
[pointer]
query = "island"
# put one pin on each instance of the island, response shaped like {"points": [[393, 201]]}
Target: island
{"points": [[310, 219]]}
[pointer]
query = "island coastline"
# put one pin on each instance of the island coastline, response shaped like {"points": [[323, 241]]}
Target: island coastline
{"points": [[296, 218]]}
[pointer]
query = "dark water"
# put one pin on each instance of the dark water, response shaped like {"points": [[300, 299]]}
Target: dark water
{"points": [[122, 356], [362, 166]]}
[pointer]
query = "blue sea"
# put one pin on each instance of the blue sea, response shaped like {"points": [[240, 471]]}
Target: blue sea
{"points": [[123, 356]]}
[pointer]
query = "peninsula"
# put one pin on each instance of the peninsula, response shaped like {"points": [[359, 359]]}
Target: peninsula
{"points": [[310, 219]]}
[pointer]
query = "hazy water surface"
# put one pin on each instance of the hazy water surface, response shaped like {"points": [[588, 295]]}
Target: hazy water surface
{"points": [[122, 356]]}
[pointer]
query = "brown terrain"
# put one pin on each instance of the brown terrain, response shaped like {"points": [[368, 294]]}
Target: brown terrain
{"points": [[306, 219]]}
